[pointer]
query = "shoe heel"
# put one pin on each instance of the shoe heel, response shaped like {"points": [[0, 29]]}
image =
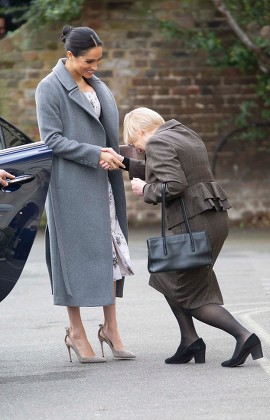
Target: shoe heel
{"points": [[256, 352], [199, 356], [69, 352], [101, 345]]}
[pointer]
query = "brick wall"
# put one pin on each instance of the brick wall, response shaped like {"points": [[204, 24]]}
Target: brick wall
{"points": [[144, 68]]}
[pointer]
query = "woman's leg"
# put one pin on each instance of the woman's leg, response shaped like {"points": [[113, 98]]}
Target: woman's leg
{"points": [[218, 317], [191, 345], [77, 332], [186, 325], [110, 326]]}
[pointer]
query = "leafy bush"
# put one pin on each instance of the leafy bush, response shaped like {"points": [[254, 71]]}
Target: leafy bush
{"points": [[46, 11]]}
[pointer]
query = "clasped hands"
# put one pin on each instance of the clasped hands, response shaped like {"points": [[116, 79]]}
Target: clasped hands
{"points": [[110, 160]]}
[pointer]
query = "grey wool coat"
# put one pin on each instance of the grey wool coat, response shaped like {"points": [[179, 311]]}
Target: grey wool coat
{"points": [[78, 234]]}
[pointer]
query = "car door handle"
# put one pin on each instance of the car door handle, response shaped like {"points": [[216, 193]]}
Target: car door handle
{"points": [[15, 184], [21, 179]]}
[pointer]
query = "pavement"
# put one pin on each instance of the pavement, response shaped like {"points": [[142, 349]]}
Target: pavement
{"points": [[37, 381]]}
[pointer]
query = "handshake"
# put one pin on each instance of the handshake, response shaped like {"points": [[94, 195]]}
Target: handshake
{"points": [[110, 160]]}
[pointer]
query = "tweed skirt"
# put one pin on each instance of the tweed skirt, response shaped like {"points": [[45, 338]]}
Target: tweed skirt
{"points": [[196, 288]]}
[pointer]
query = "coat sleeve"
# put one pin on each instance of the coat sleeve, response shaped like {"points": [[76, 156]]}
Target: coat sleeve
{"points": [[51, 129], [163, 163], [136, 168]]}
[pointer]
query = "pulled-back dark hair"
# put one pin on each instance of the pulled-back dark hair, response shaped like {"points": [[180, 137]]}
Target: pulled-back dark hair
{"points": [[79, 40]]}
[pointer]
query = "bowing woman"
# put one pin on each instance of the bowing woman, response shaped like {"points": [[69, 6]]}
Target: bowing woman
{"points": [[175, 154]]}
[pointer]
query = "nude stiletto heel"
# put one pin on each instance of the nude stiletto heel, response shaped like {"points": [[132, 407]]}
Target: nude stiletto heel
{"points": [[71, 345], [119, 354]]}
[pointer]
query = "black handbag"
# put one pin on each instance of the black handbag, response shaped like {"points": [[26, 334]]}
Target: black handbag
{"points": [[181, 252]]}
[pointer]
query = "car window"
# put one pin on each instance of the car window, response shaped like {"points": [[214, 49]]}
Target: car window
{"points": [[2, 144], [10, 136]]}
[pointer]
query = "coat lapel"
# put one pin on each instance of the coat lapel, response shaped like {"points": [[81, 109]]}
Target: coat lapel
{"points": [[77, 96], [109, 115], [71, 86]]}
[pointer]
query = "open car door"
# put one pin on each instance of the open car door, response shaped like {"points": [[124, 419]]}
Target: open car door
{"points": [[22, 201]]}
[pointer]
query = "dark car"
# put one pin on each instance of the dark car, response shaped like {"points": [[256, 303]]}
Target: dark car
{"points": [[22, 201]]}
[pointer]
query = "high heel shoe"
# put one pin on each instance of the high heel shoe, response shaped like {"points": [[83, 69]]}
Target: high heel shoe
{"points": [[251, 346], [71, 345], [119, 354], [196, 350]]}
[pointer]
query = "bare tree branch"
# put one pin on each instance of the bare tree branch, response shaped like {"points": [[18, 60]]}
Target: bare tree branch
{"points": [[263, 59]]}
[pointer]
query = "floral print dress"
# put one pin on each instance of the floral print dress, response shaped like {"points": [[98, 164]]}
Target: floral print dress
{"points": [[120, 251]]}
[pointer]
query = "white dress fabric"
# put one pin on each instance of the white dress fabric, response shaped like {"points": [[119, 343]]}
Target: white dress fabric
{"points": [[93, 99], [120, 251]]}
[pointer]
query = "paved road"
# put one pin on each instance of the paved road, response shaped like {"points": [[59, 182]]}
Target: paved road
{"points": [[38, 382]]}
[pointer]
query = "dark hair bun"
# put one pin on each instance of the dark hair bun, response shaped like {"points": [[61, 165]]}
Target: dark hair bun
{"points": [[66, 30]]}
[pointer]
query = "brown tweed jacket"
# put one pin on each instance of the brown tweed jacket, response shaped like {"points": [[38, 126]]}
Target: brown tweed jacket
{"points": [[176, 154]]}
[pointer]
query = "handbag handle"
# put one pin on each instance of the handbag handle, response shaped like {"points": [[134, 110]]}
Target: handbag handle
{"points": [[184, 211]]}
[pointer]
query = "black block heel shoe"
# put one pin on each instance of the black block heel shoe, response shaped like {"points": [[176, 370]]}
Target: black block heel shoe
{"points": [[251, 346], [196, 350]]}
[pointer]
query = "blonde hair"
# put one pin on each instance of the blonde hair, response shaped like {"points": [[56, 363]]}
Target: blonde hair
{"points": [[140, 119]]}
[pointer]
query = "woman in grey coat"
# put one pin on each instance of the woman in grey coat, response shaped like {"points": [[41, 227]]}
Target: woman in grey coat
{"points": [[86, 249], [176, 155]]}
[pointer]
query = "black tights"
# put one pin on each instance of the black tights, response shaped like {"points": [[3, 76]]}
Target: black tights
{"points": [[211, 314]]}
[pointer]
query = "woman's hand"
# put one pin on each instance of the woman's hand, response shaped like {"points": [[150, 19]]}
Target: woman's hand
{"points": [[137, 185], [113, 152], [3, 176], [110, 160]]}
